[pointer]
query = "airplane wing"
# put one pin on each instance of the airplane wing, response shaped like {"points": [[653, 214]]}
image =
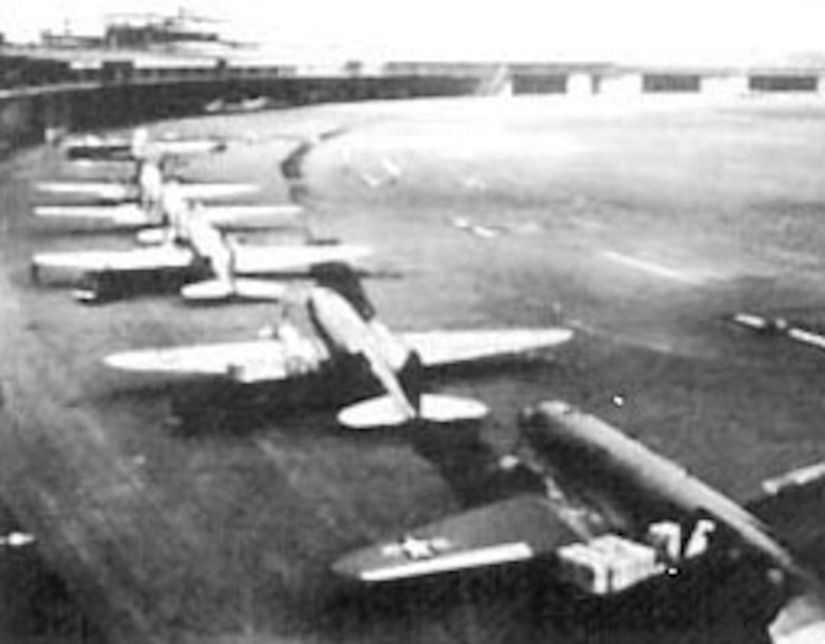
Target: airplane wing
{"points": [[231, 217], [95, 148], [116, 261], [244, 362], [263, 260], [514, 530], [792, 506], [184, 147], [439, 348], [197, 191], [104, 190], [126, 214]]}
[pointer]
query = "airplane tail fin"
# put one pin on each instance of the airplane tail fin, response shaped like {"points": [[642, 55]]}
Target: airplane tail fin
{"points": [[219, 291], [140, 140], [381, 412], [343, 279], [411, 378]]}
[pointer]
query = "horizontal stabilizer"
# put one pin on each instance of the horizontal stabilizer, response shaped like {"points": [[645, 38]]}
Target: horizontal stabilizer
{"points": [[385, 412], [216, 291]]}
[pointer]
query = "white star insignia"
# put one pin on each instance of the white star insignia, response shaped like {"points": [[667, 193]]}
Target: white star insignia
{"points": [[415, 548]]}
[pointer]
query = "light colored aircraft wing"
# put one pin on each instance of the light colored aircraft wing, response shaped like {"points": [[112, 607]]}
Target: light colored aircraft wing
{"points": [[251, 217], [126, 214], [116, 261], [244, 362], [792, 507], [438, 348], [185, 147], [104, 190], [264, 260], [95, 148], [197, 191], [514, 530]]}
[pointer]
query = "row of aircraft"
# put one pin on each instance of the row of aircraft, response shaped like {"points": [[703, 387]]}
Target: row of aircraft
{"points": [[343, 346], [180, 234], [606, 512]]}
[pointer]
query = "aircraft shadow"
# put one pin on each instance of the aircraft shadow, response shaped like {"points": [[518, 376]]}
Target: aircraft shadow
{"points": [[723, 604]]}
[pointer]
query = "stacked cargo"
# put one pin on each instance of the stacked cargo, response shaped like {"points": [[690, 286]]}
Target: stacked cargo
{"points": [[608, 564]]}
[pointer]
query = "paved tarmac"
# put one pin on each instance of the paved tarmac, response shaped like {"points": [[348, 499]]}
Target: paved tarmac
{"points": [[642, 227]]}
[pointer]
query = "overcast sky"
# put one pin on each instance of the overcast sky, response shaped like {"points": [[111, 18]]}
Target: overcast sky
{"points": [[687, 31]]}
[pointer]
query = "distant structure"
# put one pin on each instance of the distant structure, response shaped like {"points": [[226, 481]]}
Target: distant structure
{"points": [[140, 32], [67, 39], [148, 31]]}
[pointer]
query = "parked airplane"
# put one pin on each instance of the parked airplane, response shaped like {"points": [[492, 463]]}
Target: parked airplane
{"points": [[91, 147], [191, 250], [158, 210], [780, 326], [237, 105], [146, 189], [614, 515], [349, 352]]}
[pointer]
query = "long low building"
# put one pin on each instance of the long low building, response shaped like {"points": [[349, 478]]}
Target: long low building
{"points": [[37, 65]]}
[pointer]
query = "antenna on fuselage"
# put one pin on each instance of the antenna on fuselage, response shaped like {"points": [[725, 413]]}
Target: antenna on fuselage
{"points": [[411, 377]]}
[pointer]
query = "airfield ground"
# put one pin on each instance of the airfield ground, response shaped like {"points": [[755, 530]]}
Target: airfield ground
{"points": [[642, 226]]}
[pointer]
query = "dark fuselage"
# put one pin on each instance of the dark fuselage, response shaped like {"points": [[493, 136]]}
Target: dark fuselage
{"points": [[632, 486]]}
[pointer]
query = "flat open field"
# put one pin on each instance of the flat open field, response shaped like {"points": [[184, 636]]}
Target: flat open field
{"points": [[642, 226]]}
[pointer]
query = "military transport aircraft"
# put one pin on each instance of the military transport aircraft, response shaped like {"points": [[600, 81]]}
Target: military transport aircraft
{"points": [[189, 248], [158, 210], [91, 147], [614, 515], [146, 188], [350, 352]]}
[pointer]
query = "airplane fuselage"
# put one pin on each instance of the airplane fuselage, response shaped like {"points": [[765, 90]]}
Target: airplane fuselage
{"points": [[634, 487], [346, 332]]}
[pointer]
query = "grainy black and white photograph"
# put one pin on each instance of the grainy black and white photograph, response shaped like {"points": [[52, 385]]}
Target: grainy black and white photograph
{"points": [[417, 323]]}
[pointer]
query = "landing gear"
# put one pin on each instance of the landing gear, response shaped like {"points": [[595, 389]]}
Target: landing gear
{"points": [[96, 288]]}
